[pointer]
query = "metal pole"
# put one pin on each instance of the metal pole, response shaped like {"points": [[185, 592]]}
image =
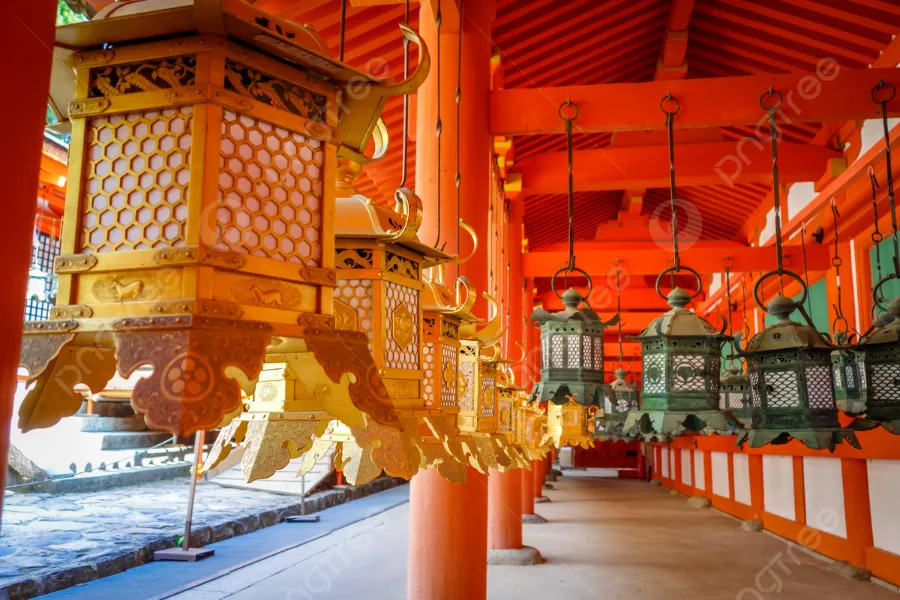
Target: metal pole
{"points": [[303, 495], [198, 450]]}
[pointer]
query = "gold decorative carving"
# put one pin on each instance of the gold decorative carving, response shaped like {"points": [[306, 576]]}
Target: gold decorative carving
{"points": [[223, 310], [235, 432], [71, 311], [189, 389], [53, 395], [172, 307], [74, 263], [224, 259], [230, 100], [449, 374], [358, 466], [322, 132], [266, 392], [93, 58], [347, 352], [38, 350], [402, 326], [320, 276], [315, 321], [247, 81], [354, 258], [345, 317], [143, 77], [391, 449], [88, 106], [119, 289], [394, 263], [450, 330], [269, 293], [176, 256], [319, 449], [186, 95], [462, 385], [435, 456], [270, 445], [402, 388]]}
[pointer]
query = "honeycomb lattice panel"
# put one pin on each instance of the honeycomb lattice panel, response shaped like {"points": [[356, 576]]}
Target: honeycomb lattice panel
{"points": [[270, 191], [357, 294], [450, 362], [428, 354], [395, 356], [137, 182], [466, 385], [488, 390]]}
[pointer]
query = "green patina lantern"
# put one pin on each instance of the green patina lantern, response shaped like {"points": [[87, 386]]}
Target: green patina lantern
{"points": [[682, 354], [849, 376], [622, 398], [571, 353], [791, 380], [734, 394], [878, 359]]}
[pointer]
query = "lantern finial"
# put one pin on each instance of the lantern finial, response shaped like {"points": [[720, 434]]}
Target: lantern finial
{"points": [[781, 307], [678, 298], [572, 298]]}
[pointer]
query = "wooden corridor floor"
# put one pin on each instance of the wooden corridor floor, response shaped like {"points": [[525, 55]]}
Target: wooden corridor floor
{"points": [[607, 539]]}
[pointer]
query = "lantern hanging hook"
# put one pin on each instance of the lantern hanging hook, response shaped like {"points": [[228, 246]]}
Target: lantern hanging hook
{"points": [[836, 261], [887, 91]]}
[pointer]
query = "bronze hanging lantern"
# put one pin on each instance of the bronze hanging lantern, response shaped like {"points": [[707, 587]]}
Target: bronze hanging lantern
{"points": [[681, 351], [734, 385], [789, 364]]}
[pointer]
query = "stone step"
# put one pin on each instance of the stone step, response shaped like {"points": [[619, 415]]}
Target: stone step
{"points": [[132, 439], [104, 407], [98, 424], [103, 480], [284, 481]]}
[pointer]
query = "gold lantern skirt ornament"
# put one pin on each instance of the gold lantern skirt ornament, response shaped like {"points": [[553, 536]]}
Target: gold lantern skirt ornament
{"points": [[510, 401], [200, 218]]}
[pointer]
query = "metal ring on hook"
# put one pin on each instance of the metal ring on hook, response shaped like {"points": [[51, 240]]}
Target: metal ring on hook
{"points": [[836, 261], [883, 85], [787, 260], [771, 92], [618, 265], [568, 270], [878, 300], [765, 276], [673, 270], [727, 263], [568, 103], [670, 99]]}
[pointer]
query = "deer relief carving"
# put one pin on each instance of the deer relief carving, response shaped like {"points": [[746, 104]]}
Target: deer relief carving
{"points": [[127, 291], [266, 298]]}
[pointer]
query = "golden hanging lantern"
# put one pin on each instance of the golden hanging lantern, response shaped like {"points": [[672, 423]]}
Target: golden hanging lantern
{"points": [[510, 406], [200, 217], [570, 424]]}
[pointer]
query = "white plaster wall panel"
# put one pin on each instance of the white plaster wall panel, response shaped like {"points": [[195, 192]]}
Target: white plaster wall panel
{"points": [[778, 486], [720, 474], [741, 478], [671, 463], [699, 470], [686, 467], [823, 488], [665, 461], [884, 489]]}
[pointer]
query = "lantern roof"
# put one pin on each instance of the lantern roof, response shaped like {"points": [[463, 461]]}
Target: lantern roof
{"points": [[785, 334], [128, 21], [572, 299], [621, 384], [734, 376], [438, 297], [679, 321], [886, 328]]}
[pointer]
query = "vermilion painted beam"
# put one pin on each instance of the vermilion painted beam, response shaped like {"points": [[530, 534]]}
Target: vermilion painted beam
{"points": [[706, 260], [697, 164], [830, 94], [603, 298], [672, 64]]}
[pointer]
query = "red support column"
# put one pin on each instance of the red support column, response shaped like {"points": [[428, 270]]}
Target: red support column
{"points": [[504, 511], [528, 476], [28, 33], [448, 522], [540, 470], [757, 499], [857, 510]]}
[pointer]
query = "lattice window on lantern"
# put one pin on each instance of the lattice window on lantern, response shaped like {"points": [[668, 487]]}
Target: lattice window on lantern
{"points": [[573, 352], [135, 194], [838, 379], [428, 357], [598, 353], [401, 324], [41, 294], [545, 352], [654, 373], [488, 390], [505, 408], [270, 191], [622, 405], [885, 384], [466, 385], [862, 375], [588, 354], [849, 376], [782, 389], [449, 376], [556, 352], [735, 400], [723, 400], [688, 373], [819, 389], [357, 293], [754, 389]]}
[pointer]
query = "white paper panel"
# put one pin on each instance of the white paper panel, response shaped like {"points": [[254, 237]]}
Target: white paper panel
{"points": [[884, 490], [686, 467], [699, 470], [778, 486], [823, 487], [665, 461], [741, 478], [720, 474]]}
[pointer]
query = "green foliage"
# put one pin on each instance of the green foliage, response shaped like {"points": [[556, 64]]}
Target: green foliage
{"points": [[65, 15]]}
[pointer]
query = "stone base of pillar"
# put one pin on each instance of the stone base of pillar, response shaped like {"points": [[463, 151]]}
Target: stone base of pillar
{"points": [[555, 472], [548, 486], [656, 482], [541, 500], [851, 572], [551, 476], [533, 519], [698, 502], [516, 557], [754, 525]]}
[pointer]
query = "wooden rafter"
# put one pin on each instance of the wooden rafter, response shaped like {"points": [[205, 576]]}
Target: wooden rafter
{"points": [[672, 63]]}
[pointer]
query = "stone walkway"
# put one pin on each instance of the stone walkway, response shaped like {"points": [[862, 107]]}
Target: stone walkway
{"points": [[49, 542]]}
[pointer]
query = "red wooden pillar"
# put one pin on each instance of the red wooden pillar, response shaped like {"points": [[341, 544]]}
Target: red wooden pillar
{"points": [[757, 500], [27, 42], [448, 522], [528, 476], [857, 509], [540, 470]]}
